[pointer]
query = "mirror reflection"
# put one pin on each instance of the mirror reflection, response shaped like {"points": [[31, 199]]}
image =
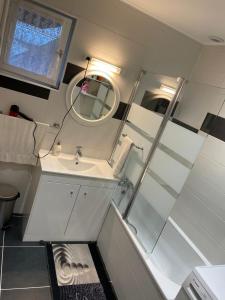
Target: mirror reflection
{"points": [[96, 98], [155, 102], [156, 92]]}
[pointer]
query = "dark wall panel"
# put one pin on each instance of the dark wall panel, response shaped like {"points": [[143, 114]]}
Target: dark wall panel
{"points": [[24, 87]]}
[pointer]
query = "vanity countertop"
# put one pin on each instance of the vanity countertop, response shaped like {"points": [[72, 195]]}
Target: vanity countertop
{"points": [[85, 167]]}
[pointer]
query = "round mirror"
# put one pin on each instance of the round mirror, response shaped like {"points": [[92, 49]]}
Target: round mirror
{"points": [[95, 98]]}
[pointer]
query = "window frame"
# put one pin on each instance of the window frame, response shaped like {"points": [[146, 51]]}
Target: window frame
{"points": [[8, 28]]}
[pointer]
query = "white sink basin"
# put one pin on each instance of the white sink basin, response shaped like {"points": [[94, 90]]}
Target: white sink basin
{"points": [[85, 167]]}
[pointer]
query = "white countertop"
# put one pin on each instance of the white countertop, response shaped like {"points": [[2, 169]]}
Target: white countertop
{"points": [[65, 164]]}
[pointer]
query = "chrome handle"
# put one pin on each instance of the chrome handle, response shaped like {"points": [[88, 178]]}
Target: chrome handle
{"points": [[60, 53]]}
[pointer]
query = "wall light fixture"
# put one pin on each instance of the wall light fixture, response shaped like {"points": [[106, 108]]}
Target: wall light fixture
{"points": [[168, 89], [104, 66]]}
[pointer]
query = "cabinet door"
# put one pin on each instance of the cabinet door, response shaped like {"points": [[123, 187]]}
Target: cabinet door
{"points": [[88, 213], [51, 211]]}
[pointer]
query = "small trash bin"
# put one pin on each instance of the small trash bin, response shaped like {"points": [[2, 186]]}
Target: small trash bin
{"points": [[8, 196]]}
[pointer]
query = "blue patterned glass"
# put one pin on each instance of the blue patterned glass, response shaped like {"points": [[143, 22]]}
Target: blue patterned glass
{"points": [[35, 43]]}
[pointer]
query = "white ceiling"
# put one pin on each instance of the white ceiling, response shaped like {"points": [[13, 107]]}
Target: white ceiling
{"points": [[196, 18]]}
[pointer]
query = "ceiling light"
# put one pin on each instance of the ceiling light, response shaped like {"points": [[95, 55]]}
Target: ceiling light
{"points": [[216, 39], [104, 66], [168, 89]]}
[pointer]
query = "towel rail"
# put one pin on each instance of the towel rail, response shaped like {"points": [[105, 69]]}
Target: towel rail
{"points": [[137, 147]]}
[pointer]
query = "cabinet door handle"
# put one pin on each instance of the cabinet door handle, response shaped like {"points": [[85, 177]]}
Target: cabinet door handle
{"points": [[85, 194]]}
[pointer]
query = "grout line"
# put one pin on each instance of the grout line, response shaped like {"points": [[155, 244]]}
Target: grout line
{"points": [[3, 243], [28, 288], [78, 191]]}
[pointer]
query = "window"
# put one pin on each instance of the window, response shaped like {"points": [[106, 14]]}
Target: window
{"points": [[35, 42]]}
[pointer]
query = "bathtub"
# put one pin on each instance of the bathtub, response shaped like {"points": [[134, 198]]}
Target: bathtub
{"points": [[171, 261]]}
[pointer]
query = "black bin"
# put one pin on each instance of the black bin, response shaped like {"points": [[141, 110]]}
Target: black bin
{"points": [[8, 196]]}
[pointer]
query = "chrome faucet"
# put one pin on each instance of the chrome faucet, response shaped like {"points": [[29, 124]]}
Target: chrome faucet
{"points": [[78, 153]]}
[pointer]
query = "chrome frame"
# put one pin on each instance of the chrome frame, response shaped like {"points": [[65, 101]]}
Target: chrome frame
{"points": [[181, 82], [134, 145], [123, 122]]}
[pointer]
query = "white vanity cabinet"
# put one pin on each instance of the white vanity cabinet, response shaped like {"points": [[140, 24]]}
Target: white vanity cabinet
{"points": [[88, 213], [51, 209], [67, 208]]}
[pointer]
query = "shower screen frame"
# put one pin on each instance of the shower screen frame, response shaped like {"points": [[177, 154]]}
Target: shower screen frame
{"points": [[166, 118]]}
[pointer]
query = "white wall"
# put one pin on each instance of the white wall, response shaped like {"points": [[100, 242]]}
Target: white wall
{"points": [[103, 34], [200, 209], [155, 46], [112, 31], [205, 91]]}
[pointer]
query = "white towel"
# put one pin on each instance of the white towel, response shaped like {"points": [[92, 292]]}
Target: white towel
{"points": [[16, 140], [124, 151]]}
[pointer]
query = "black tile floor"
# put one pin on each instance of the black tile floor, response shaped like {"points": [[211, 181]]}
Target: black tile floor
{"points": [[24, 267]]}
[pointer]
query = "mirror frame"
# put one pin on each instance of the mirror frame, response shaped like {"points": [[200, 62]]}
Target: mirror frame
{"points": [[77, 116]]}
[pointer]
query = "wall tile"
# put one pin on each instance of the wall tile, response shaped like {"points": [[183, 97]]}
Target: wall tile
{"points": [[162, 164], [214, 150], [71, 71], [218, 128], [180, 123], [144, 119], [202, 226], [121, 111], [198, 100], [182, 141], [157, 196], [203, 182], [210, 67], [24, 87], [210, 170]]}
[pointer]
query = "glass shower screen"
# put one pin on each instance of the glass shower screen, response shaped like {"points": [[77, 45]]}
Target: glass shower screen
{"points": [[167, 171], [143, 123]]}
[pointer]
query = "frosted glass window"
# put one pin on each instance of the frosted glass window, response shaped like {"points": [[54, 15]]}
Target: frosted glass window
{"points": [[35, 43]]}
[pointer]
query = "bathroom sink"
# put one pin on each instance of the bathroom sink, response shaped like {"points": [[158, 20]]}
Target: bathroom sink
{"points": [[85, 166], [82, 165]]}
